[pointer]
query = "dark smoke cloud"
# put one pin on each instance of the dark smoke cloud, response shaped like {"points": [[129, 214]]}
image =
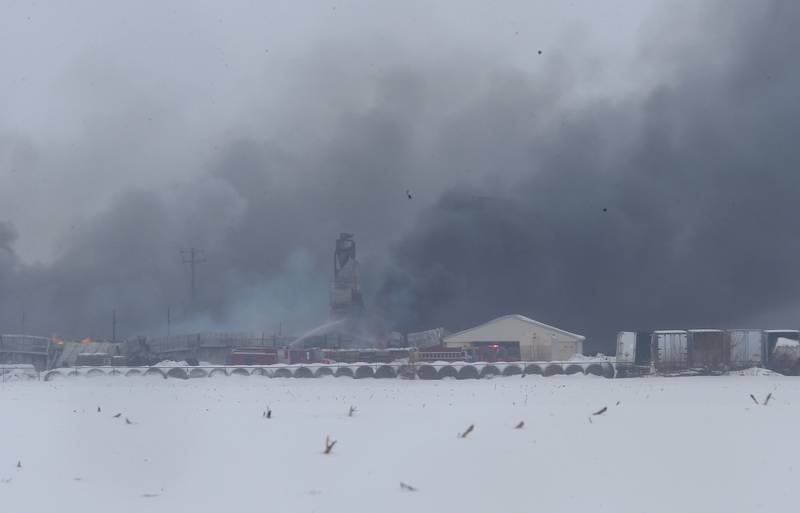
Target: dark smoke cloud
{"points": [[265, 213], [510, 170], [676, 211]]}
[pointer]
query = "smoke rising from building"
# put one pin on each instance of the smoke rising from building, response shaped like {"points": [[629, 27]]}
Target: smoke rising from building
{"points": [[667, 200], [675, 210]]}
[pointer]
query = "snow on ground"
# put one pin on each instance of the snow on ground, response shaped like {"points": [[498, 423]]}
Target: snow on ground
{"points": [[679, 444]]}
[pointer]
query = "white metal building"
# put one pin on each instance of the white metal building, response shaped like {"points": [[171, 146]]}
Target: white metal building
{"points": [[534, 340]]}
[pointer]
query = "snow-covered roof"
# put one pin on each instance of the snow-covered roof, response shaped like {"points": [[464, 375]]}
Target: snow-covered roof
{"points": [[669, 332], [517, 317], [706, 331], [780, 331]]}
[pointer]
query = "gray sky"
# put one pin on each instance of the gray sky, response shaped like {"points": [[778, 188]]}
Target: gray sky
{"points": [[260, 130]]}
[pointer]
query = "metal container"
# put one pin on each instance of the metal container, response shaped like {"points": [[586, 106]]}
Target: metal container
{"points": [[633, 354], [633, 347], [626, 347], [745, 348], [671, 350], [707, 350]]}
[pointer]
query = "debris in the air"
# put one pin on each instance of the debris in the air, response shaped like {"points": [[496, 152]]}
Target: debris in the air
{"points": [[467, 432], [600, 411]]}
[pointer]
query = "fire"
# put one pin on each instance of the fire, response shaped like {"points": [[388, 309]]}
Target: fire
{"points": [[87, 340], [57, 341]]}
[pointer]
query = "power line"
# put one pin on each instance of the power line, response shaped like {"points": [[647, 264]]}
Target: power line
{"points": [[192, 257]]}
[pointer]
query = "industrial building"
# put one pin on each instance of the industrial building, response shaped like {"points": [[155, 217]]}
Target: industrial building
{"points": [[346, 300], [516, 337]]}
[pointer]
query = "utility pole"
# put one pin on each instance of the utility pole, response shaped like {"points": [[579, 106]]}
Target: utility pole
{"points": [[114, 325], [169, 322], [23, 322], [192, 257]]}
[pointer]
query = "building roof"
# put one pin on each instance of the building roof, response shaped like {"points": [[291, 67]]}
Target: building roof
{"points": [[517, 317]]}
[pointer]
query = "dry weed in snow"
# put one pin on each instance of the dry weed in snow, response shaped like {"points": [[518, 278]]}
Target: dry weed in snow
{"points": [[329, 445]]}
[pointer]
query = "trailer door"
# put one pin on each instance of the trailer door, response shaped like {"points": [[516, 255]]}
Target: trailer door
{"points": [[626, 347]]}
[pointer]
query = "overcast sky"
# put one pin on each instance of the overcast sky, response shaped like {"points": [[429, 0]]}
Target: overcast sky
{"points": [[258, 131]]}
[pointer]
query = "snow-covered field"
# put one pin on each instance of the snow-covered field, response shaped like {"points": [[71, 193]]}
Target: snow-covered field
{"points": [[663, 445]]}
